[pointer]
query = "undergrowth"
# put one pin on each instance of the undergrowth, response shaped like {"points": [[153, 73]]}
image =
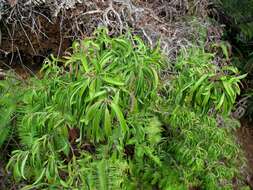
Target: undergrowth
{"points": [[237, 16], [102, 118]]}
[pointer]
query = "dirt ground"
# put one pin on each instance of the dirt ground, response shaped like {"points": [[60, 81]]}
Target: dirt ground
{"points": [[245, 137]]}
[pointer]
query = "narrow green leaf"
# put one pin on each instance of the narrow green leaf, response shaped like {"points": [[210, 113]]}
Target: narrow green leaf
{"points": [[96, 95], [120, 117], [113, 81], [229, 90], [156, 79], [220, 102], [198, 83], [40, 177], [107, 122], [22, 169], [96, 126], [91, 112], [105, 58], [84, 62]]}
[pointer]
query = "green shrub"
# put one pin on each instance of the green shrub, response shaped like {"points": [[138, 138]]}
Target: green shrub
{"points": [[98, 119], [203, 85], [103, 82], [202, 152]]}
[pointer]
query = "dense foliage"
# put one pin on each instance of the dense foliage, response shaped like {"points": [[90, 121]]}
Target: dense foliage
{"points": [[205, 86], [103, 118], [238, 17], [240, 31]]}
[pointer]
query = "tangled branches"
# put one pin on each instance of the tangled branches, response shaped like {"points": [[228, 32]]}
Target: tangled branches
{"points": [[53, 23]]}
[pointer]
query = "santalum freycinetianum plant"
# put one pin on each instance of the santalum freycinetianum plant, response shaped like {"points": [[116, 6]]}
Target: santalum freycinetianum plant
{"points": [[83, 98], [202, 151], [99, 119], [204, 85]]}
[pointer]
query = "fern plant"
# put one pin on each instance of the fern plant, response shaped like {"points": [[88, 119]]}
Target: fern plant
{"points": [[9, 96], [204, 154]]}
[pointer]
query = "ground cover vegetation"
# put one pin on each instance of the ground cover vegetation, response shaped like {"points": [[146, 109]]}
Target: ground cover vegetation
{"points": [[145, 102], [105, 117]]}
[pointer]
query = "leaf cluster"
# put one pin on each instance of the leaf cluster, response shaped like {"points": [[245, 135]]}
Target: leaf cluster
{"points": [[98, 119], [204, 85]]}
